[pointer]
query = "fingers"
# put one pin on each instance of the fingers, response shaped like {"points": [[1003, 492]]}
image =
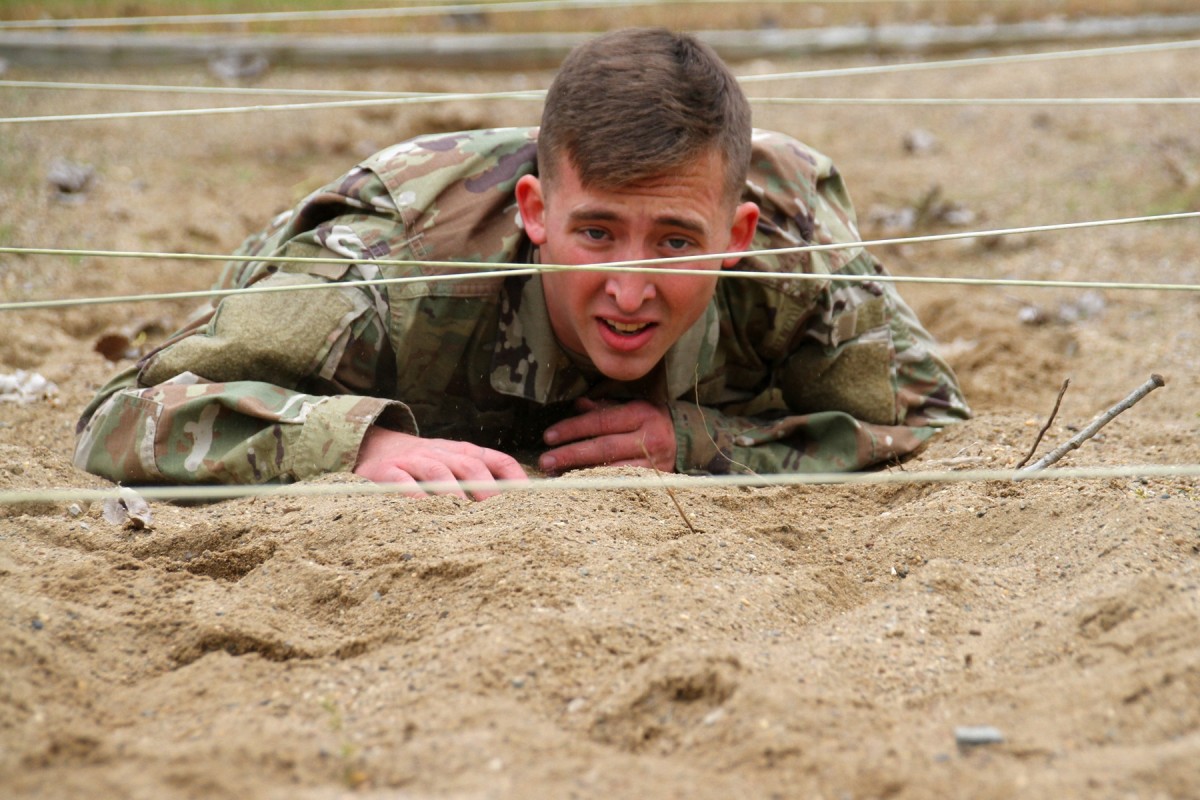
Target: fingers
{"points": [[591, 453], [461, 461], [430, 470], [503, 466], [484, 469], [636, 433], [401, 478], [596, 420], [391, 457], [479, 465]]}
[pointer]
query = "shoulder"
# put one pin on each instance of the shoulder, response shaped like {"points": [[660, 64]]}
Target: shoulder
{"points": [[787, 162], [437, 197], [803, 201], [478, 161]]}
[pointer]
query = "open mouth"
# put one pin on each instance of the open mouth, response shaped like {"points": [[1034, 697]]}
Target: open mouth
{"points": [[627, 328]]}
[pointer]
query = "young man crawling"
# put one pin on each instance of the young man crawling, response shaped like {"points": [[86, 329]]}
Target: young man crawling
{"points": [[645, 151]]}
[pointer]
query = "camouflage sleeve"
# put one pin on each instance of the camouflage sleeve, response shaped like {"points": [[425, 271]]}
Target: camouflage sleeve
{"points": [[283, 386], [848, 377], [864, 387], [284, 394]]}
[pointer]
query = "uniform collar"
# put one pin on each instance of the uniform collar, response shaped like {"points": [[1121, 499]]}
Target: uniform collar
{"points": [[529, 362]]}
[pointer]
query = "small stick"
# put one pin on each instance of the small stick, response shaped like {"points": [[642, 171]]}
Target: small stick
{"points": [[700, 408], [1105, 418], [1045, 427], [670, 491]]}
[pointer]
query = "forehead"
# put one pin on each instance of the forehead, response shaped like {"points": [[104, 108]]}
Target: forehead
{"points": [[696, 185]]}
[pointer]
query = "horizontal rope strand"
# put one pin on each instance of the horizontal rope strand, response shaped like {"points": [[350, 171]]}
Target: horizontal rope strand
{"points": [[219, 90], [976, 61], [974, 101], [531, 94], [213, 111], [204, 294], [31, 305], [574, 483], [807, 248], [409, 99], [642, 265], [818, 73], [395, 12]]}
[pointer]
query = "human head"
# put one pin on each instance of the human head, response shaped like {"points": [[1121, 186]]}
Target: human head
{"points": [[638, 103], [643, 154]]}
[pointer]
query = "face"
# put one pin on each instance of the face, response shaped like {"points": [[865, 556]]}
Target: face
{"points": [[626, 321]]}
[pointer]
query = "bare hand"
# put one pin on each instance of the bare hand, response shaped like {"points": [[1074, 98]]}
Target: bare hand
{"points": [[637, 433], [388, 456]]}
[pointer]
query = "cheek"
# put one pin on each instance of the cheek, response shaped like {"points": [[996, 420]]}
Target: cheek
{"points": [[687, 295], [571, 291]]}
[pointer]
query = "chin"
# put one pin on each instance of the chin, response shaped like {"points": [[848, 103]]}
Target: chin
{"points": [[622, 371]]}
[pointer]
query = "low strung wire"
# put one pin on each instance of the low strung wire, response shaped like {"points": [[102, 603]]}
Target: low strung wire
{"points": [[401, 11], [836, 72], [527, 95], [657, 265], [609, 483]]}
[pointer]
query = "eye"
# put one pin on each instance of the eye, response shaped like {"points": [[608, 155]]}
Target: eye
{"points": [[594, 234], [677, 243]]}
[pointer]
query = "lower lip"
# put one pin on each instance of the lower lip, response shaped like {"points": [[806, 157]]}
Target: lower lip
{"points": [[623, 342]]}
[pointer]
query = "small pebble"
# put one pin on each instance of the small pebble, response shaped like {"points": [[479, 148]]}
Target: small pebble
{"points": [[976, 735], [237, 67], [69, 177], [919, 142]]}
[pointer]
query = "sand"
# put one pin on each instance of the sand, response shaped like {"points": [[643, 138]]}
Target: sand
{"points": [[812, 641]]}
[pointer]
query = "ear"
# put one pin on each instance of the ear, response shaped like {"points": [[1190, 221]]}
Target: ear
{"points": [[741, 232], [532, 202]]}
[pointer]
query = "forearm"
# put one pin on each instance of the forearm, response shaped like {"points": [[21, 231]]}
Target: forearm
{"points": [[185, 431], [828, 441]]}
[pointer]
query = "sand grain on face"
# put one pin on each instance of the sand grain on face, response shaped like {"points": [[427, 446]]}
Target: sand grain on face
{"points": [[810, 641]]}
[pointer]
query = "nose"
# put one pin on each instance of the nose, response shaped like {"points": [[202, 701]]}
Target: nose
{"points": [[630, 290]]}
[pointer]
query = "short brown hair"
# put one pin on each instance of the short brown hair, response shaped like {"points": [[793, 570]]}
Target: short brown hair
{"points": [[638, 103]]}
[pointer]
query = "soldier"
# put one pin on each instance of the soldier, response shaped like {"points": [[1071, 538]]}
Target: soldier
{"points": [[645, 151]]}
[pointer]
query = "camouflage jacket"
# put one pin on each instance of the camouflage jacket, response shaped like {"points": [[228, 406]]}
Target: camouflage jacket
{"points": [[777, 375]]}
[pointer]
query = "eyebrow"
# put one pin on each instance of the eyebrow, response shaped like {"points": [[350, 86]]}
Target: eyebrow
{"points": [[603, 215]]}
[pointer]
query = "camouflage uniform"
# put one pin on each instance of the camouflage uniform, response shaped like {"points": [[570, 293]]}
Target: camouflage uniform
{"points": [[776, 375]]}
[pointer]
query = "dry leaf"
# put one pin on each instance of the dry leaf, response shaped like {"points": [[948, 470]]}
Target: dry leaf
{"points": [[128, 509]]}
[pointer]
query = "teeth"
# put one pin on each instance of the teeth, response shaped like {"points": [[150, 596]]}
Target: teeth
{"points": [[626, 327]]}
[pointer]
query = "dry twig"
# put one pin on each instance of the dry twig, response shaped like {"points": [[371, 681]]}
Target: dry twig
{"points": [[1045, 427], [700, 408], [1054, 455], [670, 491]]}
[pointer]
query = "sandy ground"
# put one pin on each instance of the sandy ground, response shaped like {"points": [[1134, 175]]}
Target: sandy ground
{"points": [[804, 642]]}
